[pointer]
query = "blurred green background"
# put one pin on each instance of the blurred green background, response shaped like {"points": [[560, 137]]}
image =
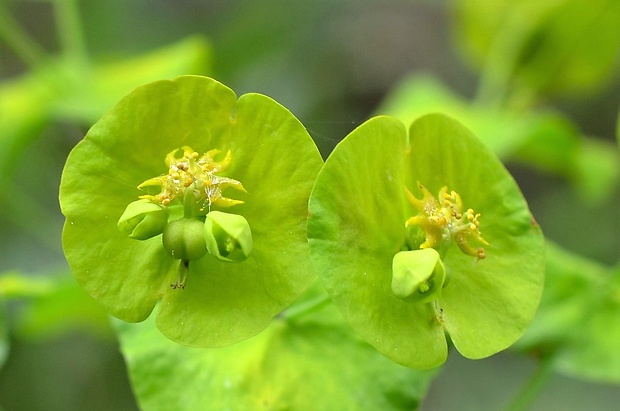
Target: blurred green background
{"points": [[333, 63]]}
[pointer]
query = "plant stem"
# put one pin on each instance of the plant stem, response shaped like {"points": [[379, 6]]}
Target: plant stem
{"points": [[70, 30], [17, 39], [532, 387]]}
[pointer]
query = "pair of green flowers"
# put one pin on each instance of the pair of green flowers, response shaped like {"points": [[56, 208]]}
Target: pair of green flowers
{"points": [[246, 213]]}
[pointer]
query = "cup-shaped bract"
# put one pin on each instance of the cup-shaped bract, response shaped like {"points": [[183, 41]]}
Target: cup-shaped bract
{"points": [[252, 140], [418, 275], [143, 219], [385, 191], [228, 236]]}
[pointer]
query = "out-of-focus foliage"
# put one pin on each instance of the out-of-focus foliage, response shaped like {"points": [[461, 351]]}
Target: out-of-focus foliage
{"points": [[557, 46], [56, 304], [575, 325], [4, 338], [308, 362]]}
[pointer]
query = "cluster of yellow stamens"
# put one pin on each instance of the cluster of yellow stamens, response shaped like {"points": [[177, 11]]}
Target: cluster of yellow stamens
{"points": [[442, 220], [197, 173]]}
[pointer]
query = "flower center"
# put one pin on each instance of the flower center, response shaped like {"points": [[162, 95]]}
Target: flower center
{"points": [[442, 219], [194, 176]]}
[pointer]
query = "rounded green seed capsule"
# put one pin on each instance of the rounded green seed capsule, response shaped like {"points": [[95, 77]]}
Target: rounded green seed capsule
{"points": [[418, 275], [184, 239], [228, 236], [143, 219]]}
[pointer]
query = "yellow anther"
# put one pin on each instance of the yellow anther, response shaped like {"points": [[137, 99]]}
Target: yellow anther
{"points": [[192, 168], [442, 222]]}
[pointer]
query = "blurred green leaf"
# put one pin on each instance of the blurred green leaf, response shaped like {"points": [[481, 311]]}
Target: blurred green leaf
{"points": [[597, 169], [51, 304], [25, 105], [65, 308], [4, 334], [92, 93], [16, 285], [575, 326], [559, 46], [310, 362]]}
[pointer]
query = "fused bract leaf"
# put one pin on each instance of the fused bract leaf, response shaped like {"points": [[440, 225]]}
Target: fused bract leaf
{"points": [[418, 275], [362, 216], [143, 219], [228, 236], [253, 140]]}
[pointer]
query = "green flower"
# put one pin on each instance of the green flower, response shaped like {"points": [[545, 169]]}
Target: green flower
{"points": [[184, 149], [405, 265]]}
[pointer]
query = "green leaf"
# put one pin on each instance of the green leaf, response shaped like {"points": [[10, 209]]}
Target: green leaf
{"points": [[66, 307], [564, 46], [597, 169], [311, 363], [98, 89], [272, 155], [357, 221], [575, 324], [52, 304]]}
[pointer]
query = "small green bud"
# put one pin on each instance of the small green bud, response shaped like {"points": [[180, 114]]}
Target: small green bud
{"points": [[418, 275], [184, 239], [228, 236], [143, 219]]}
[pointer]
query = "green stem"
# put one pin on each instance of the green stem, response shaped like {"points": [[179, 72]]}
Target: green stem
{"points": [[307, 307], [70, 30], [532, 388], [17, 39]]}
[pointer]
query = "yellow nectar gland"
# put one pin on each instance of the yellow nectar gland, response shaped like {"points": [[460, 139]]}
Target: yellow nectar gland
{"points": [[194, 172], [443, 219]]}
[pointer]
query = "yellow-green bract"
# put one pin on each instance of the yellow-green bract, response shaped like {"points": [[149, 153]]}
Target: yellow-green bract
{"points": [[361, 218], [270, 152]]}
